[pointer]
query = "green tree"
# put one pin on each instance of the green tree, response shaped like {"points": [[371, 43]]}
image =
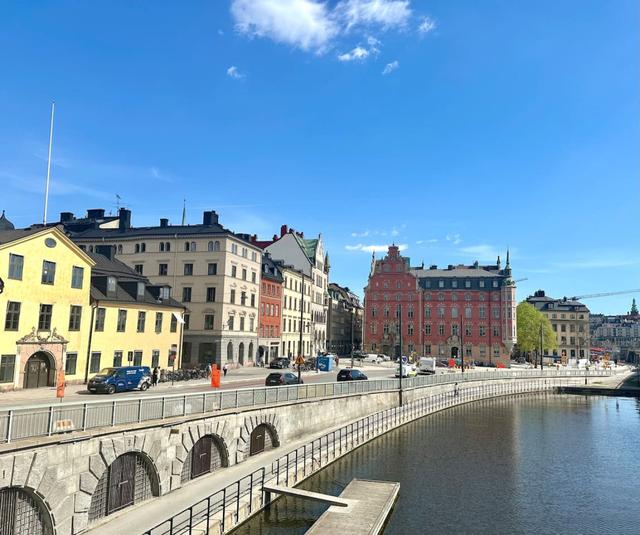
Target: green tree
{"points": [[528, 322]]}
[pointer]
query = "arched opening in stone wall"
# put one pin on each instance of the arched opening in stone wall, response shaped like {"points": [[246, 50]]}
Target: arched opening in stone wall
{"points": [[22, 511], [230, 352], [241, 353], [207, 455], [130, 478], [250, 354], [40, 370], [263, 438]]}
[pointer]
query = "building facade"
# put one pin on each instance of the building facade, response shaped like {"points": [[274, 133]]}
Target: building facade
{"points": [[344, 321], [270, 324], [446, 313], [308, 256], [213, 272], [570, 321], [296, 312], [617, 335]]}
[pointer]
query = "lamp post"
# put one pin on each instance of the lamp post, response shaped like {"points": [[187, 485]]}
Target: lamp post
{"points": [[400, 356]]}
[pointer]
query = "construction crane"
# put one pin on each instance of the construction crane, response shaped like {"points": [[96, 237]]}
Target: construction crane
{"points": [[520, 280], [605, 294]]}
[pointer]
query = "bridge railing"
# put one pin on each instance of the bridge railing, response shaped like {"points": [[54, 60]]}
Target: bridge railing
{"points": [[233, 504], [29, 421]]}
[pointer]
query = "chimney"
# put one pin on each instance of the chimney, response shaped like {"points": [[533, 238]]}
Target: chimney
{"points": [[124, 217], [254, 238], [283, 230], [164, 222], [65, 217], [209, 218], [95, 213], [433, 266], [275, 237], [105, 250]]}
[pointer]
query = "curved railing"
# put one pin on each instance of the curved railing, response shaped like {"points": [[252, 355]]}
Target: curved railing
{"points": [[29, 421]]}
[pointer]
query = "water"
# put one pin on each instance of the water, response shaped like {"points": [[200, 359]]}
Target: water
{"points": [[532, 465]]}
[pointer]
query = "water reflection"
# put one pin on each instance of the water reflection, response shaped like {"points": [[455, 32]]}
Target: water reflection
{"points": [[529, 465]]}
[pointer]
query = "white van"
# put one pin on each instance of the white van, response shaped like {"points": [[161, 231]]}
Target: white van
{"points": [[372, 358], [427, 365]]}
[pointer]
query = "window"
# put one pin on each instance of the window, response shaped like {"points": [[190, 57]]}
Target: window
{"points": [[234, 271], [483, 312], [454, 312], [188, 270], [75, 317], [454, 330], [139, 268], [427, 349], [494, 283], [467, 330], [467, 312], [44, 319], [211, 294], [496, 330], [77, 277], [441, 312], [483, 330], [454, 283], [155, 358], [100, 315], [243, 298], [253, 300], [244, 252], [111, 284], [12, 321], [253, 276], [212, 269], [467, 284], [94, 362], [440, 284], [441, 329], [234, 248], [427, 312], [244, 274], [158, 322], [7, 366], [210, 246], [186, 319], [427, 329], [216, 245], [117, 359], [208, 322], [48, 272], [137, 248], [242, 323], [137, 358], [410, 312], [496, 312], [163, 269], [410, 329], [122, 321], [70, 364], [186, 295], [231, 318], [161, 246], [140, 289], [251, 324], [187, 246], [142, 317], [481, 284], [120, 249], [16, 265], [173, 326], [232, 296]]}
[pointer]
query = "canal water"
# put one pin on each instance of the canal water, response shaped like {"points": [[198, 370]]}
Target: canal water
{"points": [[530, 465]]}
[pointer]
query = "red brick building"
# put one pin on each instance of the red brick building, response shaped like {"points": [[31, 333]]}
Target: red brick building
{"points": [[440, 312], [270, 315]]}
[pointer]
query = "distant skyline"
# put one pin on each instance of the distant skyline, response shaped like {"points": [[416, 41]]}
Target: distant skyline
{"points": [[454, 130]]}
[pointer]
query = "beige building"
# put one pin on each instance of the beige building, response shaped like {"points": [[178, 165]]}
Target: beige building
{"points": [[570, 321], [295, 299], [213, 272]]}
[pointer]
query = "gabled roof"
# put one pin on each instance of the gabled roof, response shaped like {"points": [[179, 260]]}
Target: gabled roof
{"points": [[308, 246]]}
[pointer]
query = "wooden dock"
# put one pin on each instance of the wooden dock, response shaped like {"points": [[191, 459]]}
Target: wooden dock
{"points": [[370, 504]]}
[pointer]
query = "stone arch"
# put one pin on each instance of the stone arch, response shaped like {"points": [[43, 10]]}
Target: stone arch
{"points": [[40, 370], [271, 423], [23, 510], [241, 353], [130, 478], [250, 353], [230, 351], [208, 454]]}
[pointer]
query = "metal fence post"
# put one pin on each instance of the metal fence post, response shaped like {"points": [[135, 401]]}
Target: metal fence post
{"points": [[163, 406], [139, 410], [9, 425], [113, 413], [84, 417]]}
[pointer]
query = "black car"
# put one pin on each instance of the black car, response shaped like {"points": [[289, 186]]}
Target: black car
{"points": [[349, 374], [282, 378], [280, 363]]}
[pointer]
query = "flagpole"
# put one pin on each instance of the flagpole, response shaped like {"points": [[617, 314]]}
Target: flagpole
{"points": [[46, 190]]}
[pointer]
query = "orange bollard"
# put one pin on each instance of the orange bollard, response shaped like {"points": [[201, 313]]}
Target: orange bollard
{"points": [[215, 376]]}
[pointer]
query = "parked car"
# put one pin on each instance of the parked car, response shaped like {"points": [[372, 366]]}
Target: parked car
{"points": [[122, 379], [408, 370], [372, 358], [280, 363], [385, 358], [349, 374], [282, 378]]}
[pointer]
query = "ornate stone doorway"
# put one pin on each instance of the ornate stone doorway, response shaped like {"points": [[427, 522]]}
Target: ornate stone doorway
{"points": [[40, 357], [40, 371]]}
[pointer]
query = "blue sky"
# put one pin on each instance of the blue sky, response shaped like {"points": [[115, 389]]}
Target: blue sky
{"points": [[455, 129]]}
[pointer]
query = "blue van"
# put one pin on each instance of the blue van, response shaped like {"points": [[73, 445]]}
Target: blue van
{"points": [[111, 380]]}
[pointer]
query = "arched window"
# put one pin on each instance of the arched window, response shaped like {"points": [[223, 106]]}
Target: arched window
{"points": [[143, 247], [120, 249], [186, 245], [230, 352], [454, 312], [216, 245], [193, 246], [167, 246], [250, 355], [137, 248], [161, 246], [210, 246], [241, 353], [21, 511], [129, 479]]}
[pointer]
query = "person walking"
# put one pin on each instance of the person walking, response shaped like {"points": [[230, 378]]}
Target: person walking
{"points": [[155, 376], [209, 371], [225, 369], [455, 390]]}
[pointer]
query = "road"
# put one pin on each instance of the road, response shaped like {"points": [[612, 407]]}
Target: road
{"points": [[236, 378]]}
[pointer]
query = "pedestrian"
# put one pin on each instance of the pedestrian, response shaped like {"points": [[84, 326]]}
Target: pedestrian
{"points": [[225, 369], [155, 376], [455, 390], [209, 371]]}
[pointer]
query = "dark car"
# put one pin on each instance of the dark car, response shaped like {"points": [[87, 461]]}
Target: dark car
{"points": [[351, 375], [280, 363], [282, 378]]}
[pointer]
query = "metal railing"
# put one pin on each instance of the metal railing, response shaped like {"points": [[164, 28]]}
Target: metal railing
{"points": [[236, 502], [31, 421]]}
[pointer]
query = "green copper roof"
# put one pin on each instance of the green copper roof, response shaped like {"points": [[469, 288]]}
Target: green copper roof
{"points": [[308, 246]]}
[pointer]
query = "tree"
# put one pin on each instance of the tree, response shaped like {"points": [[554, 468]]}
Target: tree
{"points": [[529, 320]]}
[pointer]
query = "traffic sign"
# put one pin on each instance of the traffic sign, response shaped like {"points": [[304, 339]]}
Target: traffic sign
{"points": [[299, 360]]}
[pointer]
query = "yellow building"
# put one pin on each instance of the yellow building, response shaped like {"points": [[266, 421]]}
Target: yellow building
{"points": [[44, 308], [64, 309], [293, 300], [134, 322]]}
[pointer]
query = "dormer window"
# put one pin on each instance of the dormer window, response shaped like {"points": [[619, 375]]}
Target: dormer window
{"points": [[164, 292], [141, 289], [111, 284]]}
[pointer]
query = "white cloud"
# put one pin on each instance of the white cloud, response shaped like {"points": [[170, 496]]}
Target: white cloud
{"points": [[358, 53], [482, 252], [432, 240], [373, 248], [390, 67], [426, 25], [360, 234], [386, 13], [304, 24], [395, 232], [454, 238], [233, 72]]}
